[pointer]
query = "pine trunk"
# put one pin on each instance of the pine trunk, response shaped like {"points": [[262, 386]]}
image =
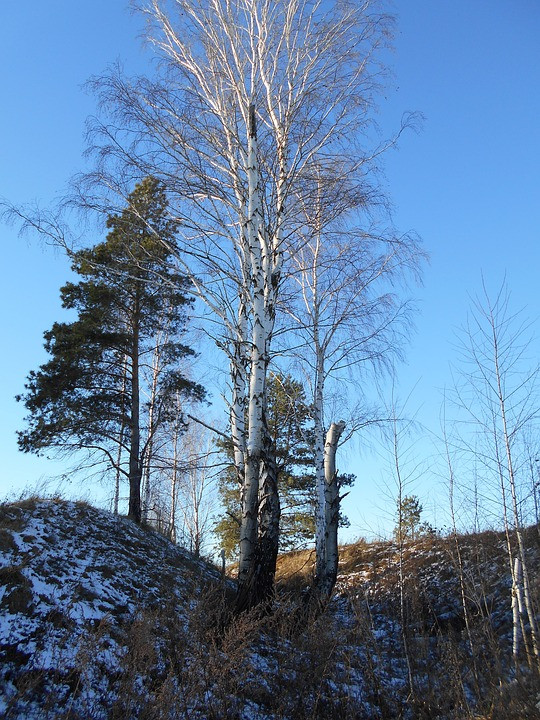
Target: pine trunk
{"points": [[135, 469]]}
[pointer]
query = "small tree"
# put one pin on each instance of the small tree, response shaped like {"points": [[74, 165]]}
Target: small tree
{"points": [[88, 396], [408, 524], [497, 390]]}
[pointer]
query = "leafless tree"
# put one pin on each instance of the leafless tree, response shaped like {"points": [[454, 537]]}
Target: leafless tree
{"points": [[193, 497], [345, 314], [498, 391], [250, 95]]}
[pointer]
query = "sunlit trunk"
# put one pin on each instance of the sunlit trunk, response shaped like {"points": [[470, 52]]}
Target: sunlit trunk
{"points": [[258, 533], [257, 377], [328, 565]]}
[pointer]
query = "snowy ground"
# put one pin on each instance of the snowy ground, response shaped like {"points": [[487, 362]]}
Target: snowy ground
{"points": [[73, 575], [100, 619]]}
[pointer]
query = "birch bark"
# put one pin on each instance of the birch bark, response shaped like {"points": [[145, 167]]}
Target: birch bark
{"points": [[294, 65], [325, 582], [259, 531]]}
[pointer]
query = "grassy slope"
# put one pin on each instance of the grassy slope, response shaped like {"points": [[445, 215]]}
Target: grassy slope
{"points": [[101, 619]]}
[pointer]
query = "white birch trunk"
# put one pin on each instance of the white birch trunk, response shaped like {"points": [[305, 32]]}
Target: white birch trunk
{"points": [[517, 608], [331, 495], [258, 535], [329, 563], [257, 370]]}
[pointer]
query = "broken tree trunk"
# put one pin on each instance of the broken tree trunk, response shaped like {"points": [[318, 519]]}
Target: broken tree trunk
{"points": [[328, 553]]}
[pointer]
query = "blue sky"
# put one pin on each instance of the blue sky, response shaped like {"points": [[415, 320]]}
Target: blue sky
{"points": [[468, 184]]}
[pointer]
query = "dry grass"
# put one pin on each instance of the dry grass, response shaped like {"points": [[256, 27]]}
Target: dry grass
{"points": [[184, 655]]}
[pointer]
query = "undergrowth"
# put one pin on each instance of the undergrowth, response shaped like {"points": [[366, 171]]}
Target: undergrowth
{"points": [[182, 654]]}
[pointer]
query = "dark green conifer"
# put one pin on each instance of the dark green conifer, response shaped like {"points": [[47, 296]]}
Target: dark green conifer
{"points": [[88, 395], [290, 427]]}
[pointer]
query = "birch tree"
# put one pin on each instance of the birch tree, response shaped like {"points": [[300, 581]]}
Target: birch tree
{"points": [[497, 390], [249, 95], [288, 419], [347, 317]]}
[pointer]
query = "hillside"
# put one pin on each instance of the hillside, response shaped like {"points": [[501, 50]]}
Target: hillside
{"points": [[101, 619]]}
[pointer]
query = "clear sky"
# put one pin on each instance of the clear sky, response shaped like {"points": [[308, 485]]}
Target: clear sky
{"points": [[468, 184]]}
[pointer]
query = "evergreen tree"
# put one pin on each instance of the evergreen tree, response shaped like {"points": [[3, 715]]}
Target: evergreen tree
{"points": [[88, 395], [289, 420], [408, 520]]}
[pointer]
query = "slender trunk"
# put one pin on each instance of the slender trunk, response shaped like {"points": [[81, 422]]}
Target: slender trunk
{"points": [[196, 498], [403, 610], [121, 436], [318, 405], [517, 608], [135, 470], [248, 592], [146, 484], [401, 580], [325, 581], [116, 500], [174, 480], [461, 572]]}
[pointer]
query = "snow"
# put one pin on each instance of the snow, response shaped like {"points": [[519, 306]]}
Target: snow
{"points": [[83, 598]]}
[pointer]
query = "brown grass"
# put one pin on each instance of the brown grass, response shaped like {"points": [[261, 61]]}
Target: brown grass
{"points": [[192, 658]]}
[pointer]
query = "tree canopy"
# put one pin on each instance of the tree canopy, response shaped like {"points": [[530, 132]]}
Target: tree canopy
{"points": [[87, 396]]}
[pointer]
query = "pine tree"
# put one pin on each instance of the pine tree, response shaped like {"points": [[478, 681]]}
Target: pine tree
{"points": [[88, 396], [290, 434], [408, 524], [289, 420]]}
